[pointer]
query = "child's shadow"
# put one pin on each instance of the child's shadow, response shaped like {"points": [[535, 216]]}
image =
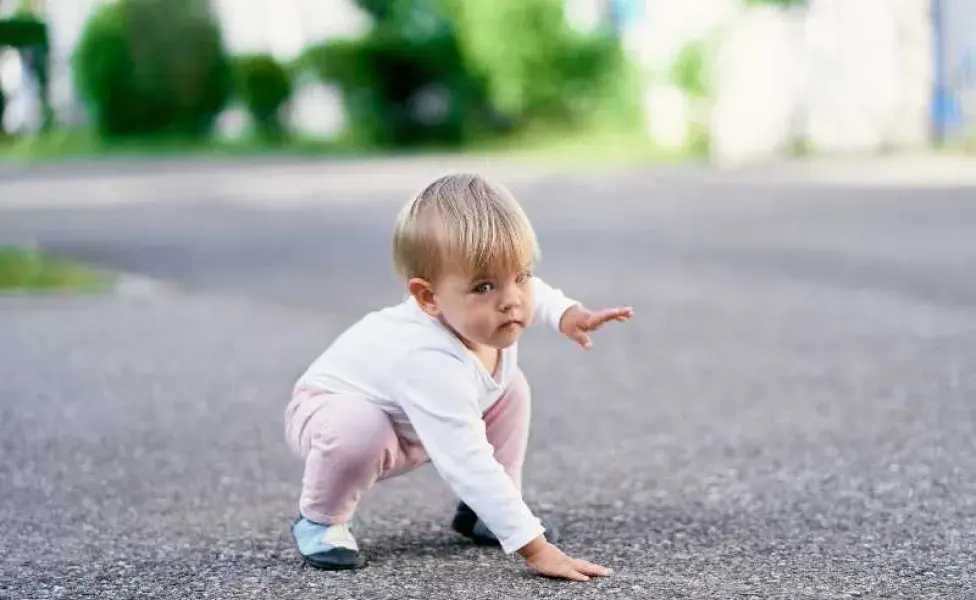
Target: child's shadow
{"points": [[437, 545]]}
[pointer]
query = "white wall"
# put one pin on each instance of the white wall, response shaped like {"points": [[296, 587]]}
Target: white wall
{"points": [[759, 77], [871, 76], [286, 27], [844, 76]]}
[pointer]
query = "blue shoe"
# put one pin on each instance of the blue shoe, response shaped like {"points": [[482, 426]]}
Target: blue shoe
{"points": [[467, 523], [330, 547]]}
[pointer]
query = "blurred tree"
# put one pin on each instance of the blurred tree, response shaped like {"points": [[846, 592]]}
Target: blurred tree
{"points": [[264, 86], [405, 83], [452, 70], [544, 70], [378, 9], [148, 67]]}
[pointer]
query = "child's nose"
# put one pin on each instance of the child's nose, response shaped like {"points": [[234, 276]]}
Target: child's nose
{"points": [[512, 299]]}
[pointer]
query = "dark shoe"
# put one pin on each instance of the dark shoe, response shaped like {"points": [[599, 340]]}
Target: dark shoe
{"points": [[329, 547], [467, 523]]}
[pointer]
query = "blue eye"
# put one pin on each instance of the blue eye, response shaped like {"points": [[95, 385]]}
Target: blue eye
{"points": [[524, 277], [482, 288]]}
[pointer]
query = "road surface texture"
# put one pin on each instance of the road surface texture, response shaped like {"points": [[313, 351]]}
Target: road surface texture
{"points": [[791, 414]]}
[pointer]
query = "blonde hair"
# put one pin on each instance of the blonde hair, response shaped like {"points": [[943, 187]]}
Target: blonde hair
{"points": [[462, 221]]}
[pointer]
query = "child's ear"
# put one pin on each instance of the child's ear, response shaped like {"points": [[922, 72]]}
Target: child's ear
{"points": [[423, 292]]}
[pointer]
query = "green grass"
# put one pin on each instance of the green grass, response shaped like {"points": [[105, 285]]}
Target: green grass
{"points": [[966, 146], [84, 144], [26, 270], [582, 149], [590, 150]]}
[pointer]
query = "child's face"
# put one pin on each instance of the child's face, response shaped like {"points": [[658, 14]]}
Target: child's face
{"points": [[487, 310]]}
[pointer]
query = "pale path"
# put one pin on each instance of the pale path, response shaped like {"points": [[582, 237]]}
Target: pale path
{"points": [[790, 415]]}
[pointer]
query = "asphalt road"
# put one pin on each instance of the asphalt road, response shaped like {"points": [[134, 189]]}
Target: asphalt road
{"points": [[791, 414]]}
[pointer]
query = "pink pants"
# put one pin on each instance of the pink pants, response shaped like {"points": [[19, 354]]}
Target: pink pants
{"points": [[349, 444]]}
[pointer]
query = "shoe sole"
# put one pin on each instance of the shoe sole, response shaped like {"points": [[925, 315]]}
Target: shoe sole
{"points": [[332, 566]]}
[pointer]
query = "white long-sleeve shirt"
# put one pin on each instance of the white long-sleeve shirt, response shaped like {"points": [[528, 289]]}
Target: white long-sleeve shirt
{"points": [[435, 392]]}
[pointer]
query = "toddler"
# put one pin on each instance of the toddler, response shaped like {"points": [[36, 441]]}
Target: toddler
{"points": [[436, 378]]}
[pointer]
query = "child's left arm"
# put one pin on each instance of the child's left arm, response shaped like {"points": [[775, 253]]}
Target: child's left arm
{"points": [[569, 317]]}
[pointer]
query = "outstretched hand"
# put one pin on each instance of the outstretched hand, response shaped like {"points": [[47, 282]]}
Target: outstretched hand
{"points": [[577, 321]]}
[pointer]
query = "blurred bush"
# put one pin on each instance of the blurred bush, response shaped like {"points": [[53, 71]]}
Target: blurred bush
{"points": [[405, 83], [537, 68], [452, 71], [153, 67], [264, 86]]}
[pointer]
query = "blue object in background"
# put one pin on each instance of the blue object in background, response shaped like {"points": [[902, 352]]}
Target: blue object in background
{"points": [[625, 13], [954, 50]]}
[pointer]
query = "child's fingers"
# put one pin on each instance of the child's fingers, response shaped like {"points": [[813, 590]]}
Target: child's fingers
{"points": [[565, 571], [582, 339], [610, 314], [589, 568], [617, 313], [576, 576]]}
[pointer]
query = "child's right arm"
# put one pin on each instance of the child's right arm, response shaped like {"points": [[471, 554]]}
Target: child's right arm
{"points": [[436, 392]]}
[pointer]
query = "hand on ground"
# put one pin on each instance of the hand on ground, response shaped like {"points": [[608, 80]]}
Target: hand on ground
{"points": [[550, 561]]}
